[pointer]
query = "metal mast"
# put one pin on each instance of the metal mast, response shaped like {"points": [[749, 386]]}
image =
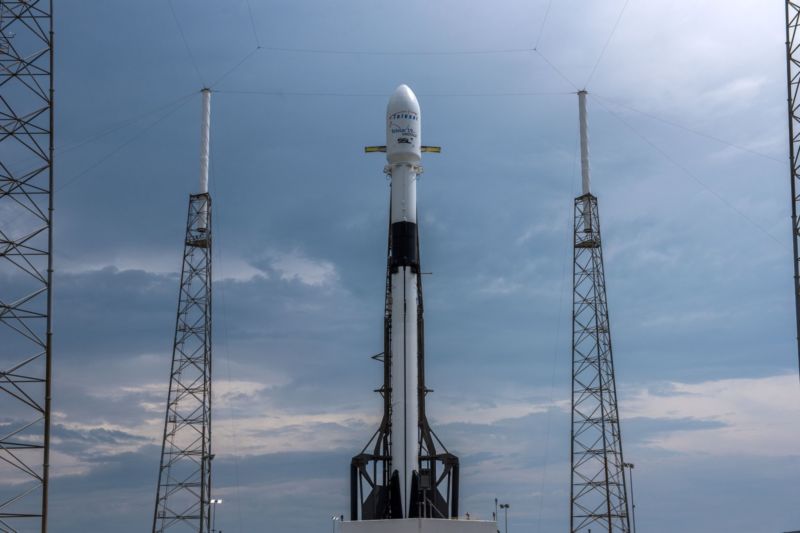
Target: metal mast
{"points": [[598, 498], [793, 86], [184, 477], [26, 266]]}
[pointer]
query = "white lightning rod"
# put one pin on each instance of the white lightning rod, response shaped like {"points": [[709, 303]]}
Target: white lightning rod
{"points": [[584, 142], [205, 141]]}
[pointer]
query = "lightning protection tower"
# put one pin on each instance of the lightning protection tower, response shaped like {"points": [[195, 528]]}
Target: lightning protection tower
{"points": [[598, 497], [26, 267], [184, 477], [793, 88]]}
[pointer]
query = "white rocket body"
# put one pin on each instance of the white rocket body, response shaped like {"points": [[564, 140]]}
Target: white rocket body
{"points": [[403, 153]]}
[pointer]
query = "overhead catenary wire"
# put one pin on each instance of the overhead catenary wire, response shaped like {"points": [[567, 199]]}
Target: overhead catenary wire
{"points": [[557, 70], [253, 23], [541, 27], [117, 126], [171, 107], [235, 67], [186, 43], [691, 174], [68, 182], [325, 51], [605, 46], [226, 345], [564, 77], [383, 95], [365, 52], [573, 185], [123, 124], [690, 130]]}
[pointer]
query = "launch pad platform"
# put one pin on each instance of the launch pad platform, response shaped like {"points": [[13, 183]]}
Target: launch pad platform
{"points": [[419, 525]]}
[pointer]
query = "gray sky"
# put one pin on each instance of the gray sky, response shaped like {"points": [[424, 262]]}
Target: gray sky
{"points": [[688, 146]]}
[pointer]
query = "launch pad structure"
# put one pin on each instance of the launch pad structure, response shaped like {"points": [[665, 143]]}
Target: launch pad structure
{"points": [[370, 470], [598, 496], [183, 495], [26, 261], [404, 471], [420, 525], [793, 101]]}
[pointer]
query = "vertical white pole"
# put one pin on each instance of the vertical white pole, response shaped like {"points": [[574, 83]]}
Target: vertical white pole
{"points": [[205, 141], [587, 206], [584, 142]]}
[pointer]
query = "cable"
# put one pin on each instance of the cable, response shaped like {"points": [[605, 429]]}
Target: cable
{"points": [[235, 67], [692, 175], [603, 51], [696, 132], [383, 95], [294, 93], [565, 250], [253, 23], [186, 43], [112, 129], [121, 125], [119, 148], [556, 70], [544, 21], [388, 53], [226, 352]]}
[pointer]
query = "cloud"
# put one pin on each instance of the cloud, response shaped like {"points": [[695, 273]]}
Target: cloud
{"points": [[685, 319], [500, 286], [748, 416], [294, 266], [164, 263], [732, 94]]}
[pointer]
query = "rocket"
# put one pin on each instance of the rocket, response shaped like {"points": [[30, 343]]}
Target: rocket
{"points": [[404, 471], [403, 155]]}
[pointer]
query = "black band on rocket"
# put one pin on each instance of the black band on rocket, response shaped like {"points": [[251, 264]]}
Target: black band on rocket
{"points": [[404, 245]]}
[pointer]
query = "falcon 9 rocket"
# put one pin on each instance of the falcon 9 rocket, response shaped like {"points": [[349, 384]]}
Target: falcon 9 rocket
{"points": [[404, 471]]}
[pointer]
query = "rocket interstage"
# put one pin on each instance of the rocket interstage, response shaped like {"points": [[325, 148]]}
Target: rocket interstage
{"points": [[404, 471]]}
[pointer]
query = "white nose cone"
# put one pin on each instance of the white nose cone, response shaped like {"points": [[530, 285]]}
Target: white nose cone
{"points": [[403, 127]]}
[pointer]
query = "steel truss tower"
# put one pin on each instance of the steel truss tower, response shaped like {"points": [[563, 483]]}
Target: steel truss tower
{"points": [[370, 471], [793, 89], [183, 497], [598, 498], [26, 267], [184, 478]]}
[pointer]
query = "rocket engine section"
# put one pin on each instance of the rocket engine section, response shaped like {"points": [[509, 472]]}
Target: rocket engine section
{"points": [[404, 471]]}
